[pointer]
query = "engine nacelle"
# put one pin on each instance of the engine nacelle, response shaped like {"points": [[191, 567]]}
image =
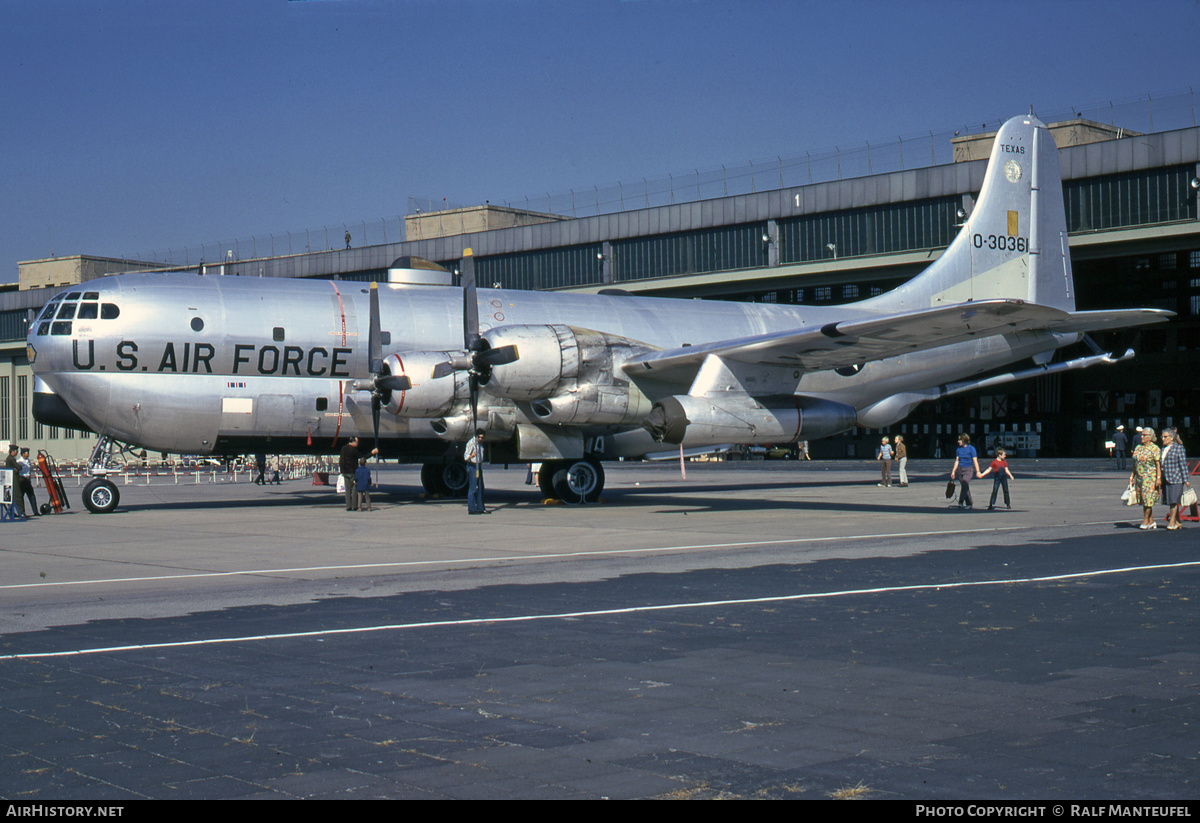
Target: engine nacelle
{"points": [[554, 359], [700, 421], [547, 356], [429, 396]]}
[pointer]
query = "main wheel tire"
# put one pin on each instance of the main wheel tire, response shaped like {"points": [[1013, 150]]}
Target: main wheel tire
{"points": [[100, 496], [546, 478], [579, 481], [445, 479], [429, 475], [455, 478]]}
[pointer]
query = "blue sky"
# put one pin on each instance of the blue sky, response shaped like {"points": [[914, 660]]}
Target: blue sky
{"points": [[131, 125]]}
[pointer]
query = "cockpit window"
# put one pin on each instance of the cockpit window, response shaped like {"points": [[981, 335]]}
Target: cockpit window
{"points": [[109, 311], [61, 327], [43, 328], [89, 311], [67, 311], [48, 312], [91, 295], [73, 295]]}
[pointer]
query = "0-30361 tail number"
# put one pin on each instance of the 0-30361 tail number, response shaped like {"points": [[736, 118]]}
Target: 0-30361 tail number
{"points": [[1000, 242]]}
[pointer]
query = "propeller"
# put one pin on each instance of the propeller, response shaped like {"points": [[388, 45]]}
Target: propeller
{"points": [[382, 382], [478, 357]]}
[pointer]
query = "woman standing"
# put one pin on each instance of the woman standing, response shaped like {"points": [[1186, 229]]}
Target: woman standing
{"points": [[966, 466], [902, 459], [1174, 474], [1146, 476]]}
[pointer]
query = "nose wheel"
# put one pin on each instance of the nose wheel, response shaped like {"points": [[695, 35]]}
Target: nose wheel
{"points": [[101, 496]]}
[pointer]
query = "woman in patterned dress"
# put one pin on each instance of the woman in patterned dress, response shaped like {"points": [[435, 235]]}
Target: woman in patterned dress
{"points": [[1147, 476]]}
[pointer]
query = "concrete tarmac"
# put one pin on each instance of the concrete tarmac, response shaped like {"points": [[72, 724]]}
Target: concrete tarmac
{"points": [[756, 630]]}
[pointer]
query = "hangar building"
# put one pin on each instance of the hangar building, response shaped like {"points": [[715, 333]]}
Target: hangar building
{"points": [[1134, 237]]}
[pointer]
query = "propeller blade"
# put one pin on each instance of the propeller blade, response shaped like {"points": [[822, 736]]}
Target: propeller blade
{"points": [[470, 303], [497, 357], [394, 382], [374, 336], [376, 404]]}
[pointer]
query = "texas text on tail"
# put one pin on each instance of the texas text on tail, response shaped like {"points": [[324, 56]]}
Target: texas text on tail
{"points": [[190, 363]]}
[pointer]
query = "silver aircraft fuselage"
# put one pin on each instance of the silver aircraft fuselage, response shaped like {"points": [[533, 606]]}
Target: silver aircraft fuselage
{"points": [[193, 363]]}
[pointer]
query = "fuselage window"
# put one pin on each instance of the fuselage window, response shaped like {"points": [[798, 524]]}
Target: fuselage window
{"points": [[109, 311], [277, 334], [323, 403], [89, 311], [197, 324]]}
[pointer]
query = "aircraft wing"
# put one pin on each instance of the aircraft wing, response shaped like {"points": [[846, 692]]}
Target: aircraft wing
{"points": [[1081, 321], [856, 341]]}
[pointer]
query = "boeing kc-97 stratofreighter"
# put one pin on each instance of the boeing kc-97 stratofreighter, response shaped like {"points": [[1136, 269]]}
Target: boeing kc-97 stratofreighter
{"points": [[200, 364]]}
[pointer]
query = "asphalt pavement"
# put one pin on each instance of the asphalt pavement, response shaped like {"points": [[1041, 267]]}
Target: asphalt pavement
{"points": [[754, 630]]}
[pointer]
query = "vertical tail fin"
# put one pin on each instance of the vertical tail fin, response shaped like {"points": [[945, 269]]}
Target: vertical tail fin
{"points": [[1014, 244]]}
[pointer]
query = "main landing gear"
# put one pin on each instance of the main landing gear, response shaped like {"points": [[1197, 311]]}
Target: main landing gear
{"points": [[572, 481], [445, 479]]}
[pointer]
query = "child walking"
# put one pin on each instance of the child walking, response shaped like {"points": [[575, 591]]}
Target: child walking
{"points": [[999, 467]]}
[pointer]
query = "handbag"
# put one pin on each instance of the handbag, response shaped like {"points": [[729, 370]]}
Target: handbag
{"points": [[949, 489], [1130, 496], [1188, 498]]}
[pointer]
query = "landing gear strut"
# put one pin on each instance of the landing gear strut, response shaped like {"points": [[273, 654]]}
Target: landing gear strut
{"points": [[101, 495]]}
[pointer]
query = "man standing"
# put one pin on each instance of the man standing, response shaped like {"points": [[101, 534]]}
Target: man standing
{"points": [[1119, 446], [348, 464], [10, 462], [26, 480], [473, 454]]}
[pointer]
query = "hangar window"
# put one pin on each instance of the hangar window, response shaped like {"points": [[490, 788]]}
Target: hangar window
{"points": [[109, 311], [89, 311]]}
